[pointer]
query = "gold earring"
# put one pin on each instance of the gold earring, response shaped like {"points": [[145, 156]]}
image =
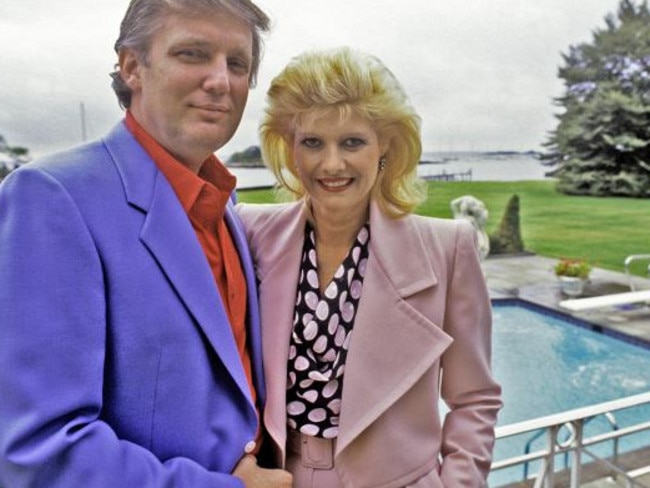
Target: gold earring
{"points": [[382, 163]]}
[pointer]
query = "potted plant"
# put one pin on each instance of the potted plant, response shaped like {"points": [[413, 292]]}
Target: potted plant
{"points": [[572, 273]]}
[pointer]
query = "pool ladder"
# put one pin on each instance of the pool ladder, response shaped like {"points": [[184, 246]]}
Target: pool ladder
{"points": [[628, 263], [611, 419]]}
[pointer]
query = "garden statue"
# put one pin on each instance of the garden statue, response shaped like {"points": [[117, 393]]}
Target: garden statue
{"points": [[473, 210]]}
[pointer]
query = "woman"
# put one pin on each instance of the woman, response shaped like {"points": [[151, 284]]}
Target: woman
{"points": [[364, 305]]}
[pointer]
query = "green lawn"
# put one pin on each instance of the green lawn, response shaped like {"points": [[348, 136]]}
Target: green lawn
{"points": [[602, 230]]}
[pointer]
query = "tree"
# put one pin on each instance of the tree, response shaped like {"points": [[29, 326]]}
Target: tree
{"points": [[4, 171], [601, 145], [251, 156], [507, 237], [11, 157]]}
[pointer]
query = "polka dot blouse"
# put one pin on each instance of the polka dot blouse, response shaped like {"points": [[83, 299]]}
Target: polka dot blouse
{"points": [[322, 328]]}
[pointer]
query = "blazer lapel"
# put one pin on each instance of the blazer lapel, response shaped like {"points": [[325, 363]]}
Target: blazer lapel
{"points": [[393, 344], [279, 261], [169, 236], [253, 331]]}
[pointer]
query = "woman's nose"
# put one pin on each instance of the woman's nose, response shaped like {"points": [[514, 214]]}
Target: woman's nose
{"points": [[334, 161]]}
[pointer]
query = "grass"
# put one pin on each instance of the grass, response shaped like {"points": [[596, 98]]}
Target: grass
{"points": [[602, 230]]}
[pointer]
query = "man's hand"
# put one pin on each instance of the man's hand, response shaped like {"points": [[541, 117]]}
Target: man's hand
{"points": [[255, 477]]}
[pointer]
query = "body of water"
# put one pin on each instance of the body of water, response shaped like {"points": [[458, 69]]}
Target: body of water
{"points": [[484, 167], [548, 365]]}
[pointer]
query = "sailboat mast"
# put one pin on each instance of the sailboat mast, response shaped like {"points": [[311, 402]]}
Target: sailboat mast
{"points": [[82, 110]]}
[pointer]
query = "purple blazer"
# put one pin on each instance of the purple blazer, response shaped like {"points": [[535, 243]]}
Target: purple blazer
{"points": [[117, 362]]}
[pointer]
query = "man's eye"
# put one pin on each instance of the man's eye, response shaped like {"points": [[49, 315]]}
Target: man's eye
{"points": [[239, 65], [191, 55]]}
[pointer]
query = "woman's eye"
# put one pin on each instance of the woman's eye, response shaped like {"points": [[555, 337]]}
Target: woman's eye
{"points": [[311, 142], [353, 143]]}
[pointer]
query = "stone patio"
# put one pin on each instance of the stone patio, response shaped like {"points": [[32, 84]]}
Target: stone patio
{"points": [[531, 278]]}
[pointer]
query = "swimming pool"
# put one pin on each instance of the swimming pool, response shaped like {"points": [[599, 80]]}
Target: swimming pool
{"points": [[549, 363]]}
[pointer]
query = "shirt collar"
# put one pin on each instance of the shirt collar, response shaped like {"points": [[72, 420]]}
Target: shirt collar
{"points": [[213, 179]]}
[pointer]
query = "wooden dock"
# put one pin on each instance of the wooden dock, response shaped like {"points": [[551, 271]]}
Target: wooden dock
{"points": [[444, 176]]}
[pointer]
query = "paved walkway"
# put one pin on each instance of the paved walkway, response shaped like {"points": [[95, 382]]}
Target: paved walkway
{"points": [[531, 278]]}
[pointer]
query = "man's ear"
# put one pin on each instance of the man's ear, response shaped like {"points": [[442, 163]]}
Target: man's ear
{"points": [[130, 68]]}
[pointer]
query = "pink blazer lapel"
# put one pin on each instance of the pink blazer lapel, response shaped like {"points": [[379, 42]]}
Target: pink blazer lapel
{"points": [[278, 292], [393, 344], [277, 251]]}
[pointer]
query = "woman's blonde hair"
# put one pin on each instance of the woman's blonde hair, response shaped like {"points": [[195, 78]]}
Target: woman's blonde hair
{"points": [[317, 82]]}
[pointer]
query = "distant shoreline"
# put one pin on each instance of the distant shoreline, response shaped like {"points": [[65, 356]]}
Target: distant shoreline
{"points": [[483, 166], [448, 157]]}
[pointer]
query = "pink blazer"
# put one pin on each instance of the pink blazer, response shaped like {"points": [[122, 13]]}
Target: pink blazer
{"points": [[424, 310]]}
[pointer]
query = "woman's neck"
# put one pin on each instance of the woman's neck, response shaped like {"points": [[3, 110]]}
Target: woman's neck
{"points": [[335, 234], [338, 228]]}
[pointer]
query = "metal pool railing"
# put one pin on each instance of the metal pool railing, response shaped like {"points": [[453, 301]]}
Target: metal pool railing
{"points": [[576, 446]]}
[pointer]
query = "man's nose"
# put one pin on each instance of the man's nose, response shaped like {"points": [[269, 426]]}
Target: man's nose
{"points": [[218, 76]]}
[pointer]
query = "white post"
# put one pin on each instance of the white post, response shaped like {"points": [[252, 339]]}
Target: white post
{"points": [[576, 454]]}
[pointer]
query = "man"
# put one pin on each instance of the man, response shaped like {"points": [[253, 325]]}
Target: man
{"points": [[129, 342]]}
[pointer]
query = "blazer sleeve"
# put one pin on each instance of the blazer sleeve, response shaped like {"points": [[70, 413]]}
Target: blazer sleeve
{"points": [[53, 330], [468, 388]]}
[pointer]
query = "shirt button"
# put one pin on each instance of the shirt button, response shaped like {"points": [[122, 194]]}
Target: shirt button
{"points": [[250, 447]]}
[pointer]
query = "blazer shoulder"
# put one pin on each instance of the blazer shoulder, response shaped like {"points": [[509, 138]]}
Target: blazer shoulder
{"points": [[448, 231], [253, 211], [272, 231], [70, 161], [447, 241], [78, 170], [263, 218]]}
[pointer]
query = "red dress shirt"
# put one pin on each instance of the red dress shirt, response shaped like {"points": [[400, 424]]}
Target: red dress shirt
{"points": [[204, 197]]}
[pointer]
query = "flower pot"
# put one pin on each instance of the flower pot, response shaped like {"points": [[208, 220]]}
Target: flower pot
{"points": [[571, 286]]}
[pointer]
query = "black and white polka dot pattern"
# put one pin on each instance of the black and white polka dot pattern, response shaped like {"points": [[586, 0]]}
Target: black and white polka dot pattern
{"points": [[322, 329]]}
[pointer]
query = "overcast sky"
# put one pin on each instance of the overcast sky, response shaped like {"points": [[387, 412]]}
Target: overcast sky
{"points": [[481, 73]]}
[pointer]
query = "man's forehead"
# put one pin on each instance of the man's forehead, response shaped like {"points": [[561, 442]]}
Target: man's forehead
{"points": [[199, 29]]}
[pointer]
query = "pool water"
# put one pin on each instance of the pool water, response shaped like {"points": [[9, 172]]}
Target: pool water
{"points": [[548, 364]]}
